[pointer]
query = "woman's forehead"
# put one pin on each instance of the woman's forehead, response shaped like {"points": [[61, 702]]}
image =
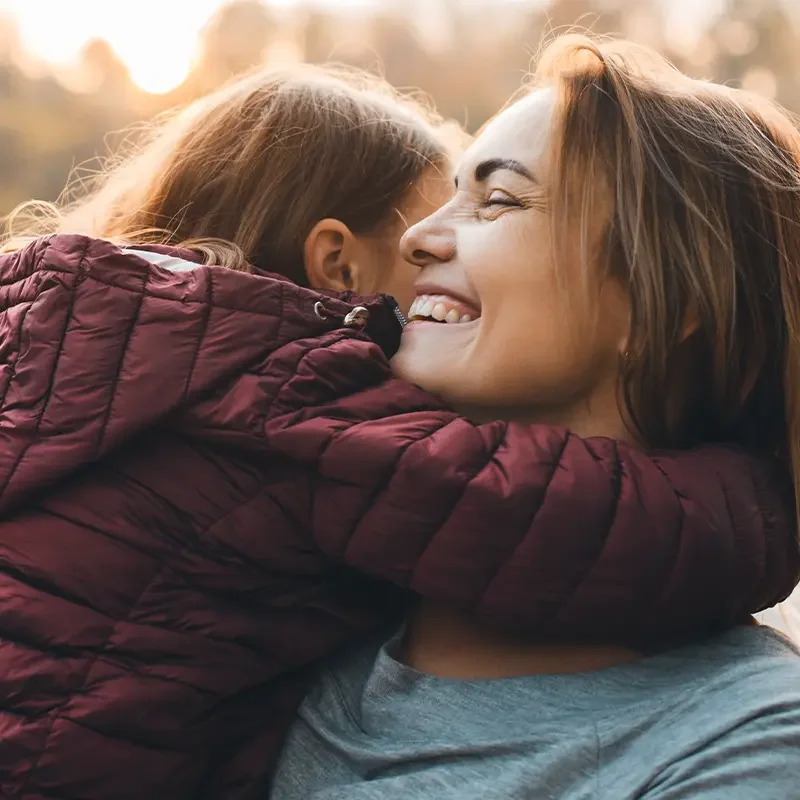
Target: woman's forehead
{"points": [[520, 132]]}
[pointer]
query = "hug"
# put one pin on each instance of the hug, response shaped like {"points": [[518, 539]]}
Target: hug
{"points": [[343, 457]]}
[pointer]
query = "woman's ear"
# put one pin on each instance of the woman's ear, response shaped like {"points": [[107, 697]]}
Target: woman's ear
{"points": [[329, 254]]}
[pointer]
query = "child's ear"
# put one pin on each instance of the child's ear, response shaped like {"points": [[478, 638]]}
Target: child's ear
{"points": [[329, 254]]}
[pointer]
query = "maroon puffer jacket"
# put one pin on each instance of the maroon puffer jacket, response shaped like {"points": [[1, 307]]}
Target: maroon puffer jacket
{"points": [[192, 466]]}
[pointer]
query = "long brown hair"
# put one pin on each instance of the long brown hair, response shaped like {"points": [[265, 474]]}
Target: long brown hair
{"points": [[704, 230], [244, 174]]}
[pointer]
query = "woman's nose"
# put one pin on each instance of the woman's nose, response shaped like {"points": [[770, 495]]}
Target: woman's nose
{"points": [[427, 243]]}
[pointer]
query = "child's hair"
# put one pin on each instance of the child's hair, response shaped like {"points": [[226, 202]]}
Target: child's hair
{"points": [[244, 174], [702, 182]]}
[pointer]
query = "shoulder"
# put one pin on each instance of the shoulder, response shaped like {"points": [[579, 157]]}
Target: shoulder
{"points": [[746, 670], [750, 649], [78, 252], [69, 254], [736, 731], [759, 679]]}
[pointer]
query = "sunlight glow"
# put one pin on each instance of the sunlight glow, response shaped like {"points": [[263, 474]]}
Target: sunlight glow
{"points": [[159, 78], [161, 68], [155, 39]]}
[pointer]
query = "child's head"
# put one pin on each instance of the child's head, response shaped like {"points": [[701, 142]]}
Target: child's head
{"points": [[307, 172]]}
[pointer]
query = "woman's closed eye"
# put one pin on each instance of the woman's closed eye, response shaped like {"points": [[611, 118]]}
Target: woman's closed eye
{"points": [[501, 198]]}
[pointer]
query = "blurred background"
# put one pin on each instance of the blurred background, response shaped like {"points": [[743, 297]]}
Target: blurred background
{"points": [[74, 75]]}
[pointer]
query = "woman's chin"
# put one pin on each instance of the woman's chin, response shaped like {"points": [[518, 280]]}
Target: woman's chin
{"points": [[450, 339], [430, 352]]}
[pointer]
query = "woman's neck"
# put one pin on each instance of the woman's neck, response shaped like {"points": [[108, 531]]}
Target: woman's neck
{"points": [[447, 644], [598, 415]]}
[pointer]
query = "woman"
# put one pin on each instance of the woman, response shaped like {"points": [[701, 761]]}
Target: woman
{"points": [[191, 499], [626, 243]]}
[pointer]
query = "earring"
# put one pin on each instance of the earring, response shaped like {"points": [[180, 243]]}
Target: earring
{"points": [[627, 362]]}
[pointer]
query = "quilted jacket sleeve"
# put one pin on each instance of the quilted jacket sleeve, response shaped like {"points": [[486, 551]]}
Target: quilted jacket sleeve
{"points": [[78, 322], [529, 526], [97, 345]]}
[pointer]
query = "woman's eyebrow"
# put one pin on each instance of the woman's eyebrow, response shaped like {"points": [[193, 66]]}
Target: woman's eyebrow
{"points": [[486, 168], [491, 165]]}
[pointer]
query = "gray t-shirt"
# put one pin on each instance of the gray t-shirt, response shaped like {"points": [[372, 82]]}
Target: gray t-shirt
{"points": [[715, 720]]}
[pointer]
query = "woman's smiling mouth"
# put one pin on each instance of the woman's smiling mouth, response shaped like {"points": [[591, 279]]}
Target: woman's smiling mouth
{"points": [[441, 308]]}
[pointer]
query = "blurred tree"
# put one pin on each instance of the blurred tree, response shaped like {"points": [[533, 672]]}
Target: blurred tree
{"points": [[316, 35], [757, 46], [10, 45], [235, 39], [405, 62], [104, 74], [641, 20]]}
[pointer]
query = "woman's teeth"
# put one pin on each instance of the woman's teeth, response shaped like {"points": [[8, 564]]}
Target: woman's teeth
{"points": [[441, 309]]}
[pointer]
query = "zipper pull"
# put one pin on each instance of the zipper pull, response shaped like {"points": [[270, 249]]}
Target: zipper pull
{"points": [[357, 318]]}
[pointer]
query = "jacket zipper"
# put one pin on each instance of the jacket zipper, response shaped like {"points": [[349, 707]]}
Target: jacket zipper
{"points": [[399, 315]]}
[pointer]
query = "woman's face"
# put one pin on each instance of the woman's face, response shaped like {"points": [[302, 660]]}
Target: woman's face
{"points": [[521, 338]]}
